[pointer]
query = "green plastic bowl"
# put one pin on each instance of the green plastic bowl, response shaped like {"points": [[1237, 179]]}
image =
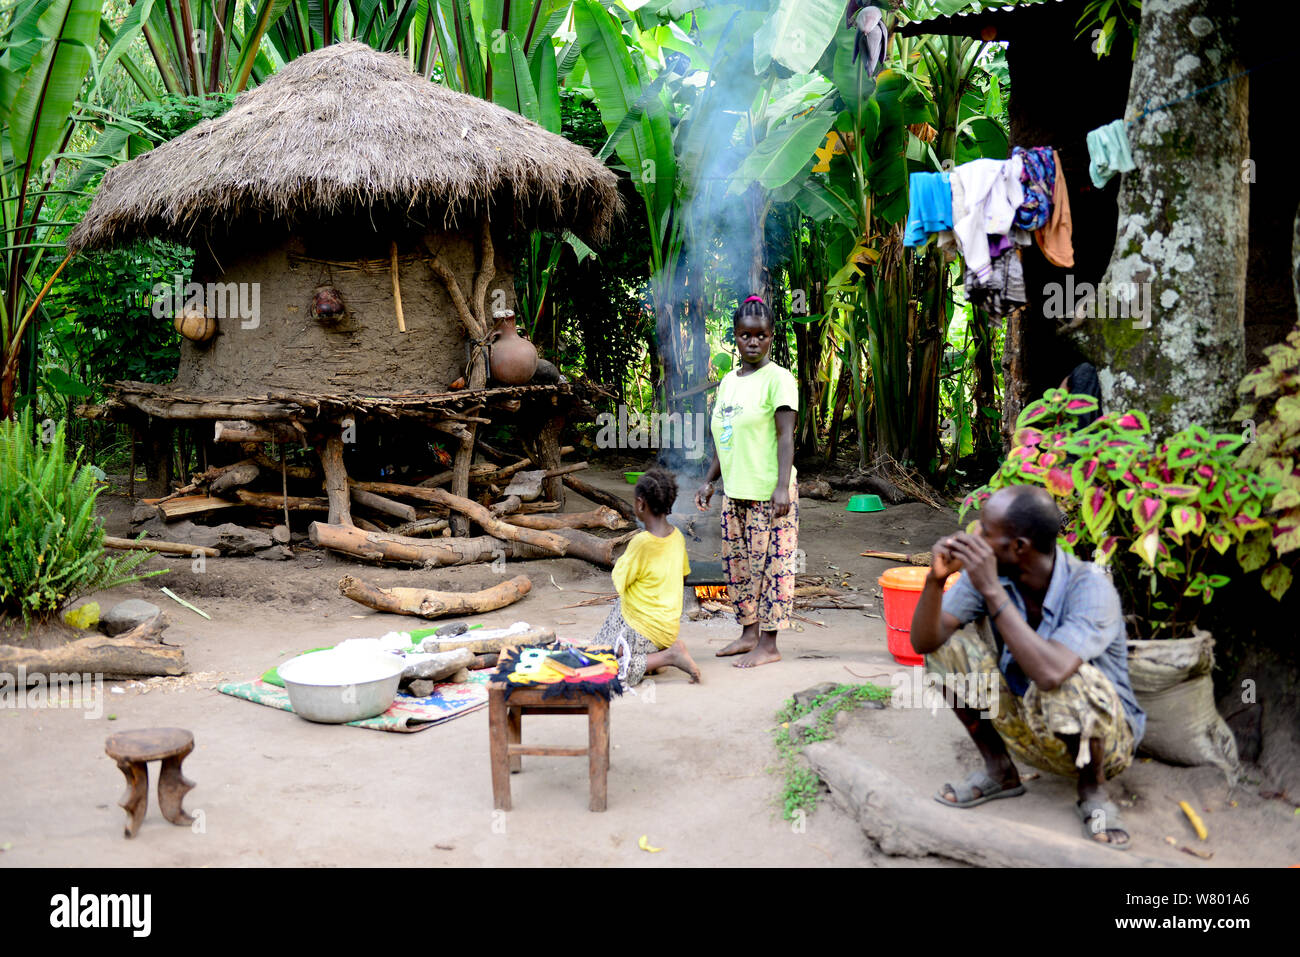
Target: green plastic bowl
{"points": [[632, 477], [865, 503]]}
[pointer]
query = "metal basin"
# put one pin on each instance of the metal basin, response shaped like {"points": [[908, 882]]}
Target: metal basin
{"points": [[335, 687]]}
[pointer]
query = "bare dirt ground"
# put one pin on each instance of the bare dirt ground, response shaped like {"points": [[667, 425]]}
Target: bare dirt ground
{"points": [[690, 765]]}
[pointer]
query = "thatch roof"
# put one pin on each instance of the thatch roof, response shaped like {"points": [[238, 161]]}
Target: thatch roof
{"points": [[348, 127]]}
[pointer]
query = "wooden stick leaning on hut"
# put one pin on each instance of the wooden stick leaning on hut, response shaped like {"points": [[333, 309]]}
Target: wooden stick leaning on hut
{"points": [[397, 290], [427, 603]]}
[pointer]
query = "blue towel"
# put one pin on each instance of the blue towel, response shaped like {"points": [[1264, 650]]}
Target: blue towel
{"points": [[931, 207], [1108, 153]]}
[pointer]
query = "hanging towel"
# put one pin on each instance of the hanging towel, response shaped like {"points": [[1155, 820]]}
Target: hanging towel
{"points": [[1056, 238], [947, 239], [1038, 176], [1108, 153], [931, 207], [992, 193]]}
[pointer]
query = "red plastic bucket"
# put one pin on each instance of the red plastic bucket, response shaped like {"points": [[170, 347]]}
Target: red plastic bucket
{"points": [[901, 588]]}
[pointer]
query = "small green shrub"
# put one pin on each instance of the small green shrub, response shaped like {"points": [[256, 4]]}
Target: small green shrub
{"points": [[51, 543]]}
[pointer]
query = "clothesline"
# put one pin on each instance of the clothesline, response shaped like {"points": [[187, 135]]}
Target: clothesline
{"points": [[1199, 90]]}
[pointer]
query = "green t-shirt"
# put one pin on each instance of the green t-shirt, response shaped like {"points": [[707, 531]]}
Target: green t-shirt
{"points": [[744, 429]]}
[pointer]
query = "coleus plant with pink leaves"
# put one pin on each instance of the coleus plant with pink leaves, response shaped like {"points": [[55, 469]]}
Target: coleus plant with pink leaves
{"points": [[1171, 519]]}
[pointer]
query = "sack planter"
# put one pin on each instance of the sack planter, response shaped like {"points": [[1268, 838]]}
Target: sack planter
{"points": [[1172, 682]]}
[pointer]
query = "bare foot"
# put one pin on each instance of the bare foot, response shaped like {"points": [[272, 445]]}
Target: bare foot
{"points": [[682, 659], [747, 641], [762, 655]]}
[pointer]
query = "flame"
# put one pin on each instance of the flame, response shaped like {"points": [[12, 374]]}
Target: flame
{"points": [[713, 592]]}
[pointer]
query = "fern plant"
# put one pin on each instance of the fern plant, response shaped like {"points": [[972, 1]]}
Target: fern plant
{"points": [[51, 543]]}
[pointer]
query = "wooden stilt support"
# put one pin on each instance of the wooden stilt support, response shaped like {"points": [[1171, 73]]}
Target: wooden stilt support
{"points": [[336, 481]]}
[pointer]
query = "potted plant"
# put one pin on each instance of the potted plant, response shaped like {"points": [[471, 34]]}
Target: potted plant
{"points": [[1170, 520]]}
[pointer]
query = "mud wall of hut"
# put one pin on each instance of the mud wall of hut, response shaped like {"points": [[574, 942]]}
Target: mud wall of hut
{"points": [[283, 348]]}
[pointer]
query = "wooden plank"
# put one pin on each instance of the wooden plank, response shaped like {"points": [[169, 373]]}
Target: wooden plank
{"points": [[194, 505]]}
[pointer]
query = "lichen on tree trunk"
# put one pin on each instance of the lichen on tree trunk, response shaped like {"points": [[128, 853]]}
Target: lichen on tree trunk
{"points": [[1183, 225]]}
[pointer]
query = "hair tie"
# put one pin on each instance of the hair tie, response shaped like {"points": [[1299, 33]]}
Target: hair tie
{"points": [[754, 299]]}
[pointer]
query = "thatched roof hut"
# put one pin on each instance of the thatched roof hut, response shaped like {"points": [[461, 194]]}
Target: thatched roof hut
{"points": [[348, 128]]}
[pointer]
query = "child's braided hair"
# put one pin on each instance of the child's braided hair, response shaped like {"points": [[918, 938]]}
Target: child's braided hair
{"points": [[659, 489]]}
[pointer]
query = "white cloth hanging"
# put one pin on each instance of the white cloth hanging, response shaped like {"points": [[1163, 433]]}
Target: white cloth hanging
{"points": [[992, 193]]}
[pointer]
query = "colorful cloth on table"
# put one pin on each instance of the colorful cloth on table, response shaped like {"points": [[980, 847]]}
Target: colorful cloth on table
{"points": [[1086, 704], [744, 429], [1056, 238], [930, 207], [758, 557], [1002, 288], [648, 577], [1108, 153], [630, 646], [1038, 177], [534, 667], [992, 193], [1081, 611], [407, 713]]}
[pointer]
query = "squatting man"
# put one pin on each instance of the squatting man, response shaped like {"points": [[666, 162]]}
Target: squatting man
{"points": [[1051, 636]]}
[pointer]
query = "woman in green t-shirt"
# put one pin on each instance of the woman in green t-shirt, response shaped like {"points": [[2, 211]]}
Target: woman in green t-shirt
{"points": [[753, 452]]}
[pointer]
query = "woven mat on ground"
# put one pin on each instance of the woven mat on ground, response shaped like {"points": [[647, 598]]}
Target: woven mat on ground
{"points": [[406, 714]]}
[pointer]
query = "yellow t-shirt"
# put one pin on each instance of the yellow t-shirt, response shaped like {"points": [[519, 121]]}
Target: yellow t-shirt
{"points": [[648, 577]]}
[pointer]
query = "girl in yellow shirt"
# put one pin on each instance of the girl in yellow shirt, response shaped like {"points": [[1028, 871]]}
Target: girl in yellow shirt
{"points": [[643, 625]]}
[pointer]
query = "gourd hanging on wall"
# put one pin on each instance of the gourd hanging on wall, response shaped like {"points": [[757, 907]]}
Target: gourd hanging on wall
{"points": [[195, 324]]}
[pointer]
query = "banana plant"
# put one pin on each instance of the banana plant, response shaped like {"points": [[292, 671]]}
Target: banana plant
{"points": [[48, 53]]}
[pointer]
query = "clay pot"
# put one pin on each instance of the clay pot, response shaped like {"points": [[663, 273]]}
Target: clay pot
{"points": [[514, 358], [327, 305], [195, 325]]}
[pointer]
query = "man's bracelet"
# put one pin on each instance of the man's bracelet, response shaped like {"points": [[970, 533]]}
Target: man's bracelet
{"points": [[1001, 608]]}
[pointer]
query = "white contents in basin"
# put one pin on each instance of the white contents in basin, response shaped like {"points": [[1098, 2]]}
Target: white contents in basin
{"points": [[334, 668]]}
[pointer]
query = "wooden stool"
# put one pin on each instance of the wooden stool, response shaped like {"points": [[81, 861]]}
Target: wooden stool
{"points": [[505, 729], [132, 750]]}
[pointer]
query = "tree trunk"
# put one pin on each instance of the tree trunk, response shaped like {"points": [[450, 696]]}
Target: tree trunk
{"points": [[1183, 218]]}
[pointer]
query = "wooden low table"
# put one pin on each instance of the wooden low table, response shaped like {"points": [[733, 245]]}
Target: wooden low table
{"points": [[133, 750], [505, 729]]}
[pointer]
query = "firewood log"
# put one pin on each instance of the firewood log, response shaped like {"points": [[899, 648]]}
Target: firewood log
{"points": [[426, 603], [154, 545], [383, 505], [296, 503], [497, 528], [621, 506], [132, 654], [600, 517], [234, 478]]}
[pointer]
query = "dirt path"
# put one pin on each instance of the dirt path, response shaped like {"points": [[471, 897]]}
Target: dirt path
{"points": [[688, 766]]}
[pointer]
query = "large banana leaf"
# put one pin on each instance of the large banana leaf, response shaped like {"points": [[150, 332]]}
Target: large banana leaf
{"points": [[47, 91], [546, 81], [796, 33], [780, 156], [512, 86], [648, 148]]}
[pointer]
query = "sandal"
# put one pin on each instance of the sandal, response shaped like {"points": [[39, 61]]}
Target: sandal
{"points": [[989, 790], [1088, 811]]}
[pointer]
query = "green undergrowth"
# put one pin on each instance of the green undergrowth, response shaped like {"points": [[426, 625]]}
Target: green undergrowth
{"points": [[801, 787]]}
